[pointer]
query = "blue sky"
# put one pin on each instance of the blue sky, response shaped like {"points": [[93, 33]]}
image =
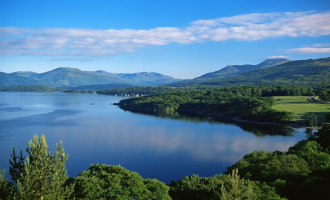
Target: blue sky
{"points": [[182, 39]]}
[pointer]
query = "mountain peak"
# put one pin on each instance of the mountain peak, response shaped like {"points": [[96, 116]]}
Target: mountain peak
{"points": [[67, 69], [272, 62]]}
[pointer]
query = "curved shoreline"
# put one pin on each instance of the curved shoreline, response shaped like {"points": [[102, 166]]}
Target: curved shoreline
{"points": [[235, 119]]}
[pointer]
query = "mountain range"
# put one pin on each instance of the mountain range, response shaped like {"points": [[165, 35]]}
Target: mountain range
{"points": [[72, 77], [310, 72], [231, 70], [279, 71]]}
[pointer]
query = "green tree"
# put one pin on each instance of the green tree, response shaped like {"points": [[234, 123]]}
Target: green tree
{"points": [[311, 151], [322, 136], [327, 117], [7, 189], [269, 166], [42, 175], [115, 182], [311, 119], [237, 189]]}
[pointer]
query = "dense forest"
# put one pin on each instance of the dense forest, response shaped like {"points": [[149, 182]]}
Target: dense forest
{"points": [[324, 94], [30, 88], [246, 102], [301, 173], [140, 91]]}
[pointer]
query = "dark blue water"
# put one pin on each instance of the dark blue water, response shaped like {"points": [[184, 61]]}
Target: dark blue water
{"points": [[156, 147]]}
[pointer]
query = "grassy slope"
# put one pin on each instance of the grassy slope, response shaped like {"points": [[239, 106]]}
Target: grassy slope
{"points": [[301, 106]]}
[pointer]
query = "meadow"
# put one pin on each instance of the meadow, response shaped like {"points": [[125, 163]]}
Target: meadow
{"points": [[301, 106]]}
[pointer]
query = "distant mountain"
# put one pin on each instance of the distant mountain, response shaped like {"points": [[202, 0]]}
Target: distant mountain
{"points": [[12, 79], [98, 87], [72, 77], [240, 69], [230, 70], [26, 74], [301, 72]]}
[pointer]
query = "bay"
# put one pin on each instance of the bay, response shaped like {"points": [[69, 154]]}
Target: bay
{"points": [[165, 147]]}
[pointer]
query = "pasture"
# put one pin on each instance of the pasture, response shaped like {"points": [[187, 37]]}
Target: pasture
{"points": [[301, 106]]}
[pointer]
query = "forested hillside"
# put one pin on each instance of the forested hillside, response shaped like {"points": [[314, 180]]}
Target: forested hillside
{"points": [[12, 79], [231, 70], [248, 103], [30, 88], [302, 72]]}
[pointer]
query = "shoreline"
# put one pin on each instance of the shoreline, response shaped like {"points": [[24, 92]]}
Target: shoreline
{"points": [[235, 119]]}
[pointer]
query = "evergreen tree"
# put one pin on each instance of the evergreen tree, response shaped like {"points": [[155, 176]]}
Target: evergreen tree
{"points": [[7, 189], [238, 190], [43, 175]]}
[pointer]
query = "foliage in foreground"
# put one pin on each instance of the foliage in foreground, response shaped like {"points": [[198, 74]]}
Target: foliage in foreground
{"points": [[302, 173], [115, 182], [42, 175], [225, 187]]}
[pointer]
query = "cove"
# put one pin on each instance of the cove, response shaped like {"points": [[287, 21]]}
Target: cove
{"points": [[155, 145]]}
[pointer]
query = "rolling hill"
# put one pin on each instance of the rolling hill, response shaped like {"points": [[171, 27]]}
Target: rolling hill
{"points": [[231, 70], [301, 72], [12, 79], [72, 77]]}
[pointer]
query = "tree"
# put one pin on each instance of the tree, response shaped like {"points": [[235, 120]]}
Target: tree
{"points": [[43, 175], [7, 189], [311, 119], [115, 182], [237, 189], [327, 117], [268, 166], [311, 151]]}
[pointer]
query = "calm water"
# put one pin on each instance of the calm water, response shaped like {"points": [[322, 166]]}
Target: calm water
{"points": [[163, 147]]}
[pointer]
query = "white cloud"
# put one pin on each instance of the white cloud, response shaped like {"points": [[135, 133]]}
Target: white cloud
{"points": [[275, 57], [249, 27], [321, 44], [309, 50]]}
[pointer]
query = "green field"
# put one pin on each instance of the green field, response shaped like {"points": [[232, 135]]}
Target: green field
{"points": [[301, 106]]}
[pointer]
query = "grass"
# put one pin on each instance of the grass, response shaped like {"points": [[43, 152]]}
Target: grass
{"points": [[301, 106]]}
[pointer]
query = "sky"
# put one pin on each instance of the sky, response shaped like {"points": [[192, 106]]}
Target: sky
{"points": [[183, 39]]}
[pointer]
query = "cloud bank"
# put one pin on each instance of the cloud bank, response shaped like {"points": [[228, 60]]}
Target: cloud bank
{"points": [[309, 50], [250, 27], [275, 57]]}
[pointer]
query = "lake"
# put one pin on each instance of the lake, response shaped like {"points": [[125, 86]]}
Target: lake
{"points": [[165, 147]]}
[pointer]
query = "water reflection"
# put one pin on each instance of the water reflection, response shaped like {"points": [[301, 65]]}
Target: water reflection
{"points": [[259, 130], [48, 119], [156, 145], [11, 109]]}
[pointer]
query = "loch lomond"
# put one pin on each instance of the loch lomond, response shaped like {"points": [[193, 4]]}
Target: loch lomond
{"points": [[155, 146]]}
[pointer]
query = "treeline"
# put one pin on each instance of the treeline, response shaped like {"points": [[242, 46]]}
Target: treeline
{"points": [[253, 91], [132, 91], [301, 173], [246, 102], [79, 91], [30, 88], [324, 94]]}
